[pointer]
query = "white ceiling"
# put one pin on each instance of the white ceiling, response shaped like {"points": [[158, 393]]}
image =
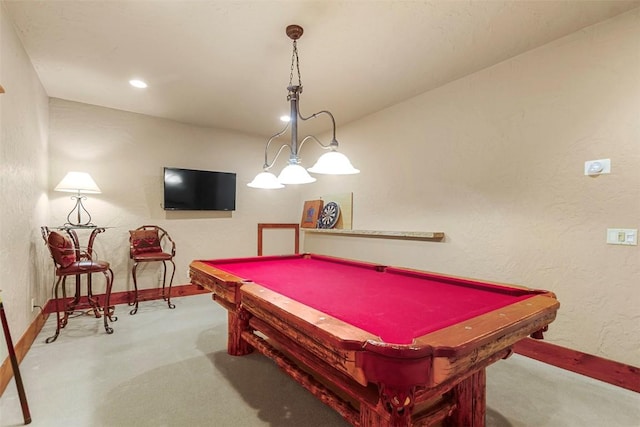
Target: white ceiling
{"points": [[226, 64]]}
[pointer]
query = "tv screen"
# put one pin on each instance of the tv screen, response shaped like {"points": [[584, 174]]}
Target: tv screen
{"points": [[197, 190]]}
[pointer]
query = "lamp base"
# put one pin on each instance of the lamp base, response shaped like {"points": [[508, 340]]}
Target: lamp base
{"points": [[78, 208]]}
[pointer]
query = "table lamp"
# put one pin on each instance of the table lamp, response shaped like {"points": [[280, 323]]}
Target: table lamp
{"points": [[78, 182]]}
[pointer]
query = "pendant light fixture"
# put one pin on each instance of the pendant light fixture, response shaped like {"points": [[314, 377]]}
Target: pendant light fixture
{"points": [[332, 162]]}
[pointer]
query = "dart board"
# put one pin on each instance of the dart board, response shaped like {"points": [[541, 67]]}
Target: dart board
{"points": [[329, 215]]}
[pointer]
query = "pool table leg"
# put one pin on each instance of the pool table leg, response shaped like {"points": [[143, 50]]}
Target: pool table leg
{"points": [[470, 399], [238, 322]]}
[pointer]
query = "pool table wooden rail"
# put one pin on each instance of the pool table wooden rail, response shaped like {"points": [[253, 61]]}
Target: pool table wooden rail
{"points": [[439, 377], [453, 341], [223, 284], [429, 360]]}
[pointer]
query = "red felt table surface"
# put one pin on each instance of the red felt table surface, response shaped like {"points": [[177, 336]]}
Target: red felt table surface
{"points": [[397, 305]]}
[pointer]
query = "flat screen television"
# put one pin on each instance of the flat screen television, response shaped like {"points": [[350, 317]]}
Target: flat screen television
{"points": [[198, 190]]}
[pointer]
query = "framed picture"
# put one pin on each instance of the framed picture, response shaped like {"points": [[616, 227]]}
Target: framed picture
{"points": [[311, 213]]}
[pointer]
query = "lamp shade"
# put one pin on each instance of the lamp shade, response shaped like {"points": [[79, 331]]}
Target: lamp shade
{"points": [[295, 174], [74, 182], [333, 163], [265, 180]]}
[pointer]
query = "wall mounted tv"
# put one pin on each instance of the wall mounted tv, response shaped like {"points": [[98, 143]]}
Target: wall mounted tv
{"points": [[198, 190]]}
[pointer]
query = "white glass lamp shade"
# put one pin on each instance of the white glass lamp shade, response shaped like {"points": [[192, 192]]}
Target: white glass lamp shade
{"points": [[295, 174], [78, 182], [265, 180], [333, 163]]}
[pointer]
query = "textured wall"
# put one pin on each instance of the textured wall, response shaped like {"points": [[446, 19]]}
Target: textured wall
{"points": [[495, 160], [23, 172], [44, 138], [125, 153]]}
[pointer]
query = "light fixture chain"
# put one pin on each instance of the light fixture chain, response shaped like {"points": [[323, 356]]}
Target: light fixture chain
{"points": [[296, 61]]}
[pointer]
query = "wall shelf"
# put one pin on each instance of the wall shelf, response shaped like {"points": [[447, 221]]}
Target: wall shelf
{"points": [[397, 235]]}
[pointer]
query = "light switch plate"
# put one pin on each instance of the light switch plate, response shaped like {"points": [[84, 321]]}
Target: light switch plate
{"points": [[622, 236]]}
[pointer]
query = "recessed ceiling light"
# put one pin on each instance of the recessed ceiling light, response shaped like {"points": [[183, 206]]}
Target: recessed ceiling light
{"points": [[285, 118], [138, 83]]}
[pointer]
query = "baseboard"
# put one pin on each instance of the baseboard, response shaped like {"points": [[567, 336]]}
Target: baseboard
{"points": [[619, 374], [21, 348]]}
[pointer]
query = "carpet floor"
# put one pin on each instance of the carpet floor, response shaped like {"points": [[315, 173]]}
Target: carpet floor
{"points": [[166, 367]]}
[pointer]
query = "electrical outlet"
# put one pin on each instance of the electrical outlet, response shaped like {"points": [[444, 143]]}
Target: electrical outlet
{"points": [[33, 304]]}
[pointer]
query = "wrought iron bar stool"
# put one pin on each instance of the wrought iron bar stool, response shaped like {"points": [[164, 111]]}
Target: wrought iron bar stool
{"points": [[70, 260], [146, 245]]}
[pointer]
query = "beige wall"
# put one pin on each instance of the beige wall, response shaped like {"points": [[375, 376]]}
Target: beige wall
{"points": [[495, 160], [23, 173], [125, 154]]}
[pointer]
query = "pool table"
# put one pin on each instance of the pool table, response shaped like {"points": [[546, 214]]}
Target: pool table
{"points": [[383, 346]]}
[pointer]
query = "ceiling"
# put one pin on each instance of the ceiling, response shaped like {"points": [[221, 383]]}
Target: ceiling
{"points": [[226, 64]]}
